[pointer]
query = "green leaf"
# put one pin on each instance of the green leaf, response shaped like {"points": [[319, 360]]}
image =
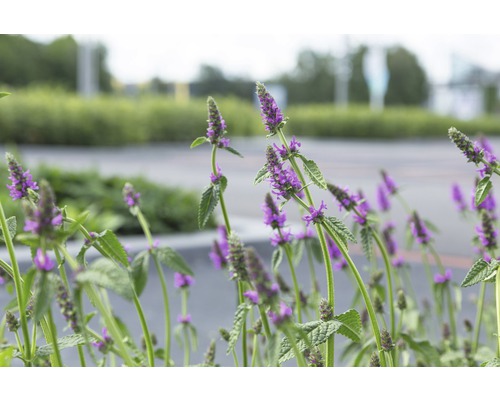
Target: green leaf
{"points": [[425, 349], [491, 363], [478, 273], [316, 332], [262, 175], [140, 270], [239, 318], [351, 325], [45, 292], [11, 226], [223, 183], [4, 94], [173, 260], [6, 355], [29, 278], [110, 243], [104, 273], [64, 342], [339, 228], [297, 251], [316, 249], [198, 141], [209, 200], [482, 189], [231, 150], [313, 172], [367, 241], [276, 259]]}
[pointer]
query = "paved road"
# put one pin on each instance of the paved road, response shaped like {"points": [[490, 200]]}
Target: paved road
{"points": [[423, 169]]}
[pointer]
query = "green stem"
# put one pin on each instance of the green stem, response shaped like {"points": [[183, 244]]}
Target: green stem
{"points": [[298, 303], [388, 268], [187, 346], [81, 356], [255, 349], [497, 298], [241, 299], [56, 355], [301, 362], [479, 316], [147, 336], [26, 350]]}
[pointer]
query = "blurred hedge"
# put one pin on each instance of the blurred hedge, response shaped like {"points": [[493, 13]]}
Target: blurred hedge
{"points": [[43, 116]]}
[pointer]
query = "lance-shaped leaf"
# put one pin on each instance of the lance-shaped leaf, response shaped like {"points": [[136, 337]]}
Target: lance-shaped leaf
{"points": [[276, 258], [139, 271], [198, 141], [11, 226], [313, 172], [46, 289], [262, 175], [104, 273], [209, 200], [239, 318], [110, 243], [4, 94], [478, 273], [351, 325], [173, 260], [231, 150], [340, 229], [424, 348], [482, 190], [64, 342], [367, 241]]}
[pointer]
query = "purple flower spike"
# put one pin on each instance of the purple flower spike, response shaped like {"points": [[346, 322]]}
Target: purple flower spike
{"points": [[273, 217], [362, 212], [284, 314], [182, 281], [458, 198], [315, 215], [472, 151], [345, 200], [270, 112], [216, 125], [266, 289], [419, 230], [281, 237], [184, 319], [383, 200], [389, 183], [130, 196], [42, 261], [443, 278], [21, 180], [252, 295], [214, 178], [46, 216], [487, 232], [220, 249], [103, 345], [284, 182]]}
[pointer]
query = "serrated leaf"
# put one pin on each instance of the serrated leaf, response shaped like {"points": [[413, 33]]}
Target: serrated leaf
{"points": [[63, 343], [173, 260], [231, 150], [276, 258], [351, 325], [11, 226], [198, 141], [239, 318], [104, 273], [223, 183], [491, 363], [140, 271], [208, 202], [479, 271], [45, 292], [367, 241], [316, 332], [4, 94], [482, 190], [110, 243], [297, 251], [313, 172], [425, 349], [341, 229], [262, 175]]}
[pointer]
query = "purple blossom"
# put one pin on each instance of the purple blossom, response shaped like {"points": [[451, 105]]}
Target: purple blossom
{"points": [[214, 178], [335, 254], [130, 196], [184, 319], [315, 215], [284, 181], [472, 151], [361, 212], [293, 148], [266, 289], [103, 345], [383, 200], [390, 243], [419, 230], [252, 295], [42, 261], [42, 219], [398, 262], [487, 232], [485, 144], [345, 200], [155, 245], [216, 125], [21, 180], [443, 278], [182, 281], [283, 315], [270, 112], [281, 237], [273, 217], [487, 169], [220, 249], [458, 198], [389, 183]]}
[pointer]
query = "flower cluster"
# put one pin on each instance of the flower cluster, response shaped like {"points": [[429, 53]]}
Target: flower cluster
{"points": [[215, 178], [281, 237], [458, 198], [487, 232], [216, 125], [42, 261], [383, 199], [345, 200], [220, 249], [270, 112], [104, 345], [284, 181], [182, 281], [67, 307], [236, 259], [130, 196], [273, 217], [418, 229], [282, 316], [315, 215], [22, 181], [443, 278], [389, 183], [472, 151], [184, 319], [293, 149], [42, 219], [391, 244], [267, 291]]}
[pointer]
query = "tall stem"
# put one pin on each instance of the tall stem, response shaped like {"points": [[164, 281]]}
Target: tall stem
{"points": [[497, 298], [479, 316], [298, 305]]}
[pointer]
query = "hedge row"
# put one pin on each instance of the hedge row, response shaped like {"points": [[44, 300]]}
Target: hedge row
{"points": [[42, 116]]}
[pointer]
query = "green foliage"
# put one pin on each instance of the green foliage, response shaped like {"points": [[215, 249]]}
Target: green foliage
{"points": [[209, 200], [481, 271], [173, 260], [239, 318], [483, 188]]}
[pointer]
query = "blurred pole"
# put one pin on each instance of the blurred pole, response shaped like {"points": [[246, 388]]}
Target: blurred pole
{"points": [[343, 74], [87, 67], [377, 76], [182, 93]]}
